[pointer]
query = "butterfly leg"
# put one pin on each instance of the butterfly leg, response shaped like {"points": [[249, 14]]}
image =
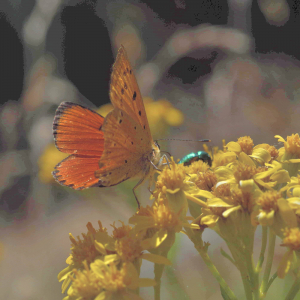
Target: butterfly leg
{"points": [[137, 185], [151, 181], [160, 163], [154, 166]]}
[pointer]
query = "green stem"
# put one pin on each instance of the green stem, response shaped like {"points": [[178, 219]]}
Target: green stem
{"points": [[240, 263], [157, 289], [271, 281], [294, 289], [271, 247], [253, 276], [158, 271], [202, 250], [263, 248]]}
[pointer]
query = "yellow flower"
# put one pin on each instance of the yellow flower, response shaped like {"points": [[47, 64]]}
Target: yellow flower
{"points": [[292, 241], [125, 245], [171, 185], [266, 177], [244, 144], [265, 153], [294, 203], [268, 203], [47, 161], [206, 180], [82, 250], [294, 183], [109, 282], [275, 211], [196, 167], [223, 158], [289, 155]]}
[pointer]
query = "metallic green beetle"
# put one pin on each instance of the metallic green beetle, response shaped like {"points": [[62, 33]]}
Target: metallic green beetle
{"points": [[195, 156]]}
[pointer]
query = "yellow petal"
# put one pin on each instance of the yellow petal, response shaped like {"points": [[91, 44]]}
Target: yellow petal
{"points": [[280, 139], [281, 176], [246, 160], [261, 154], [69, 260], [106, 240], [296, 191], [65, 285], [266, 219], [294, 160], [227, 212], [196, 200], [155, 240], [102, 296], [203, 193], [100, 248], [210, 220], [223, 173], [286, 213], [110, 258], [62, 275], [234, 147], [267, 185]]}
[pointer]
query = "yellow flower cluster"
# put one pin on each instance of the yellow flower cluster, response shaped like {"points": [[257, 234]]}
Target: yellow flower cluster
{"points": [[245, 187], [103, 266]]}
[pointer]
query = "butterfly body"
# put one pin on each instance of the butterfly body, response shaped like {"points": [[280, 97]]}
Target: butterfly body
{"points": [[106, 151]]}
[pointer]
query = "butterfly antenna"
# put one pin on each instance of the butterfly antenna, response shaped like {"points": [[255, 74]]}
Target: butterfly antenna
{"points": [[203, 141]]}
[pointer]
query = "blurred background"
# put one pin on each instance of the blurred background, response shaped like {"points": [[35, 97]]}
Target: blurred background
{"points": [[207, 69]]}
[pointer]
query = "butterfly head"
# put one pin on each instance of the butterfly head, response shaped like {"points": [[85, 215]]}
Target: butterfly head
{"points": [[155, 152]]}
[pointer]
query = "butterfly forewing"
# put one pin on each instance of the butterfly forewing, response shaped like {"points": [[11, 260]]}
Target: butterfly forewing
{"points": [[125, 93], [127, 149], [77, 129]]}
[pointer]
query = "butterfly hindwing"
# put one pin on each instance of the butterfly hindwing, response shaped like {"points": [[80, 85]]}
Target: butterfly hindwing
{"points": [[78, 172], [125, 93]]}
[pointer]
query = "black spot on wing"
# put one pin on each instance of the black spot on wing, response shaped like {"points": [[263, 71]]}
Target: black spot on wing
{"points": [[140, 113], [134, 96], [122, 91]]}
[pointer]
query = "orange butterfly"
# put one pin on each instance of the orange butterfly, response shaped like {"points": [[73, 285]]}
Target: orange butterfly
{"points": [[106, 151]]}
